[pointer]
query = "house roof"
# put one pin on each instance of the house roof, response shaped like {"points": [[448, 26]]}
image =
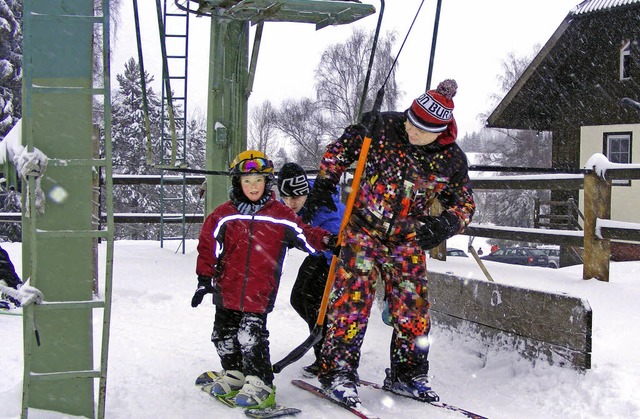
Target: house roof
{"points": [[589, 6], [536, 99]]}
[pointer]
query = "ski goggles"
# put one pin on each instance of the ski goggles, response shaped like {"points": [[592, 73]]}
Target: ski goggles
{"points": [[256, 164]]}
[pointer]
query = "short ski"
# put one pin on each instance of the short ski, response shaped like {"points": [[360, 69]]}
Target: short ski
{"points": [[360, 411], [271, 412], [205, 382], [442, 405]]}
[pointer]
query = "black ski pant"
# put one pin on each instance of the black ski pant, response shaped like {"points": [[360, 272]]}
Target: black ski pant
{"points": [[242, 342], [307, 292]]}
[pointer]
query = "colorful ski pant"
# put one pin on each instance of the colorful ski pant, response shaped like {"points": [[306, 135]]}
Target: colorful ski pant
{"points": [[242, 342], [402, 267]]}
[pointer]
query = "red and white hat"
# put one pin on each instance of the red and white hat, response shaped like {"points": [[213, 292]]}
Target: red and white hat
{"points": [[433, 110]]}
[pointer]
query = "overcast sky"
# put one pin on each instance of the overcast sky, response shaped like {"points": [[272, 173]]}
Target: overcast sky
{"points": [[474, 38]]}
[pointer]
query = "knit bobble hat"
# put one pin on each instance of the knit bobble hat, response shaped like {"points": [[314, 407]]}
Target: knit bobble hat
{"points": [[433, 110], [292, 180]]}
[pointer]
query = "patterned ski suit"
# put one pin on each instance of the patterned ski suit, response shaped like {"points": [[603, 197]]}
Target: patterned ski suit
{"points": [[399, 184]]}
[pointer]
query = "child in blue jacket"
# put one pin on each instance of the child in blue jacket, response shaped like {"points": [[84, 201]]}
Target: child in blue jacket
{"points": [[308, 289]]}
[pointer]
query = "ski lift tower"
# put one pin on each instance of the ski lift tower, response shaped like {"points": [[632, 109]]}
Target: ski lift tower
{"points": [[231, 70]]}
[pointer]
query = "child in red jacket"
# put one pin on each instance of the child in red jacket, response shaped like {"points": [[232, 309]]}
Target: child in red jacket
{"points": [[241, 249]]}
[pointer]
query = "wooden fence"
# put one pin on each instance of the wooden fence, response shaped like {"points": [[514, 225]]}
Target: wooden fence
{"points": [[598, 232]]}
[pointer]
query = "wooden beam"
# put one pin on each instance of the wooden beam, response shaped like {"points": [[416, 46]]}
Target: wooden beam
{"points": [[539, 325], [597, 204]]}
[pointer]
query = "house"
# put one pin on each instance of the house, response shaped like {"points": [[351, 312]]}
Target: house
{"points": [[583, 87]]}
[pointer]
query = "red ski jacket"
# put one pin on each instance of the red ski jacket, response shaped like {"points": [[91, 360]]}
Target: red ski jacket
{"points": [[244, 253]]}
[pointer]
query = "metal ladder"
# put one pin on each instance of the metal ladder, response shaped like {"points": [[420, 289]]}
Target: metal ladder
{"points": [[60, 244], [174, 37]]}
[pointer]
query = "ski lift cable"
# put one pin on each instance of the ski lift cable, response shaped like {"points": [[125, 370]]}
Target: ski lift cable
{"points": [[143, 83], [371, 57], [403, 42]]}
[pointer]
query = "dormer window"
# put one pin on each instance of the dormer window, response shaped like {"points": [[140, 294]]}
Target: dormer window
{"points": [[625, 61]]}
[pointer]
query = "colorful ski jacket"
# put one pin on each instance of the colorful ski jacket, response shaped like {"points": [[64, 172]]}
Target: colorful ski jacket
{"points": [[244, 253], [400, 180]]}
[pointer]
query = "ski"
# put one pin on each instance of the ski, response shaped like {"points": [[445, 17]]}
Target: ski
{"points": [[439, 404], [359, 411], [205, 382]]}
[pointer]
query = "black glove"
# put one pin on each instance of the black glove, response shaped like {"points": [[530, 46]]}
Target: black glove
{"points": [[332, 244], [204, 288], [371, 121], [437, 229], [320, 196]]}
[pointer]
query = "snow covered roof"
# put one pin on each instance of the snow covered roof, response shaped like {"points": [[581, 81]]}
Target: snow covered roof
{"points": [[589, 6], [548, 88]]}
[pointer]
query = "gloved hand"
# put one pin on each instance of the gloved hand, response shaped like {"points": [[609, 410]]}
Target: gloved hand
{"points": [[331, 241], [437, 229], [204, 288], [372, 121], [320, 196]]}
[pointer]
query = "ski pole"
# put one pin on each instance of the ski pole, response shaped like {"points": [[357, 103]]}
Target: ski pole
{"points": [[316, 333]]}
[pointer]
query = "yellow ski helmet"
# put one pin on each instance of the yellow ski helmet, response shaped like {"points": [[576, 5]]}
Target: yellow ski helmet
{"points": [[251, 161]]}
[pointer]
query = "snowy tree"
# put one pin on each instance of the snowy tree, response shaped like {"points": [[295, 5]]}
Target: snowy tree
{"points": [[341, 74], [263, 129], [309, 124], [130, 150], [306, 128], [10, 64], [129, 141], [509, 148]]}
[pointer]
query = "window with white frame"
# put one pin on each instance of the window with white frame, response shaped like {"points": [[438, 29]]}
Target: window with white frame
{"points": [[625, 60], [617, 147]]}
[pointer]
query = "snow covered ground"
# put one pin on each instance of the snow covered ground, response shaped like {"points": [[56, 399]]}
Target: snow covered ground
{"points": [[159, 344]]}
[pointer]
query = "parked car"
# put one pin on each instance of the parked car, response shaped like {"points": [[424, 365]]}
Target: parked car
{"points": [[554, 257], [456, 252], [519, 256]]}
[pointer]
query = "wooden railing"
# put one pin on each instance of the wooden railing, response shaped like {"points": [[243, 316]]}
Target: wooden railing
{"points": [[599, 230]]}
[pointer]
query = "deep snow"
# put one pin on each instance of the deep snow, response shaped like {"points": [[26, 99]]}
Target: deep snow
{"points": [[159, 344]]}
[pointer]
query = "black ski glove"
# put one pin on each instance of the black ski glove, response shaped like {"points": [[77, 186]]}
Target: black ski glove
{"points": [[320, 196], [437, 229], [204, 288], [332, 244]]}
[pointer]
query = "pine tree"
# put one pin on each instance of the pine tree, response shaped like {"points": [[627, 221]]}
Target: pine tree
{"points": [[129, 141], [128, 120], [10, 64]]}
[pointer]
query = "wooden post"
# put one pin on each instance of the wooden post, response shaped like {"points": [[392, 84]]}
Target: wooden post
{"points": [[597, 204], [439, 252]]}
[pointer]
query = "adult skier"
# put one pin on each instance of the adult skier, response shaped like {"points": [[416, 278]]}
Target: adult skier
{"points": [[413, 160]]}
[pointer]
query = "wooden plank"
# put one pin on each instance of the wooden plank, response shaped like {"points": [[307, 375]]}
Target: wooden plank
{"points": [[530, 349], [557, 327]]}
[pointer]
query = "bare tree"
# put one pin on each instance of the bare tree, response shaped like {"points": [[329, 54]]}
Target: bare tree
{"points": [[341, 74], [303, 123], [263, 134], [309, 124], [516, 148]]}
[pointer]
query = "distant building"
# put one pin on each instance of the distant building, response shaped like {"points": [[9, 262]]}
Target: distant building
{"points": [[576, 88]]}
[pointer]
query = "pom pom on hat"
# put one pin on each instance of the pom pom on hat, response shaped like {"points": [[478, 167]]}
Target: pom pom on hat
{"points": [[292, 180], [433, 110]]}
